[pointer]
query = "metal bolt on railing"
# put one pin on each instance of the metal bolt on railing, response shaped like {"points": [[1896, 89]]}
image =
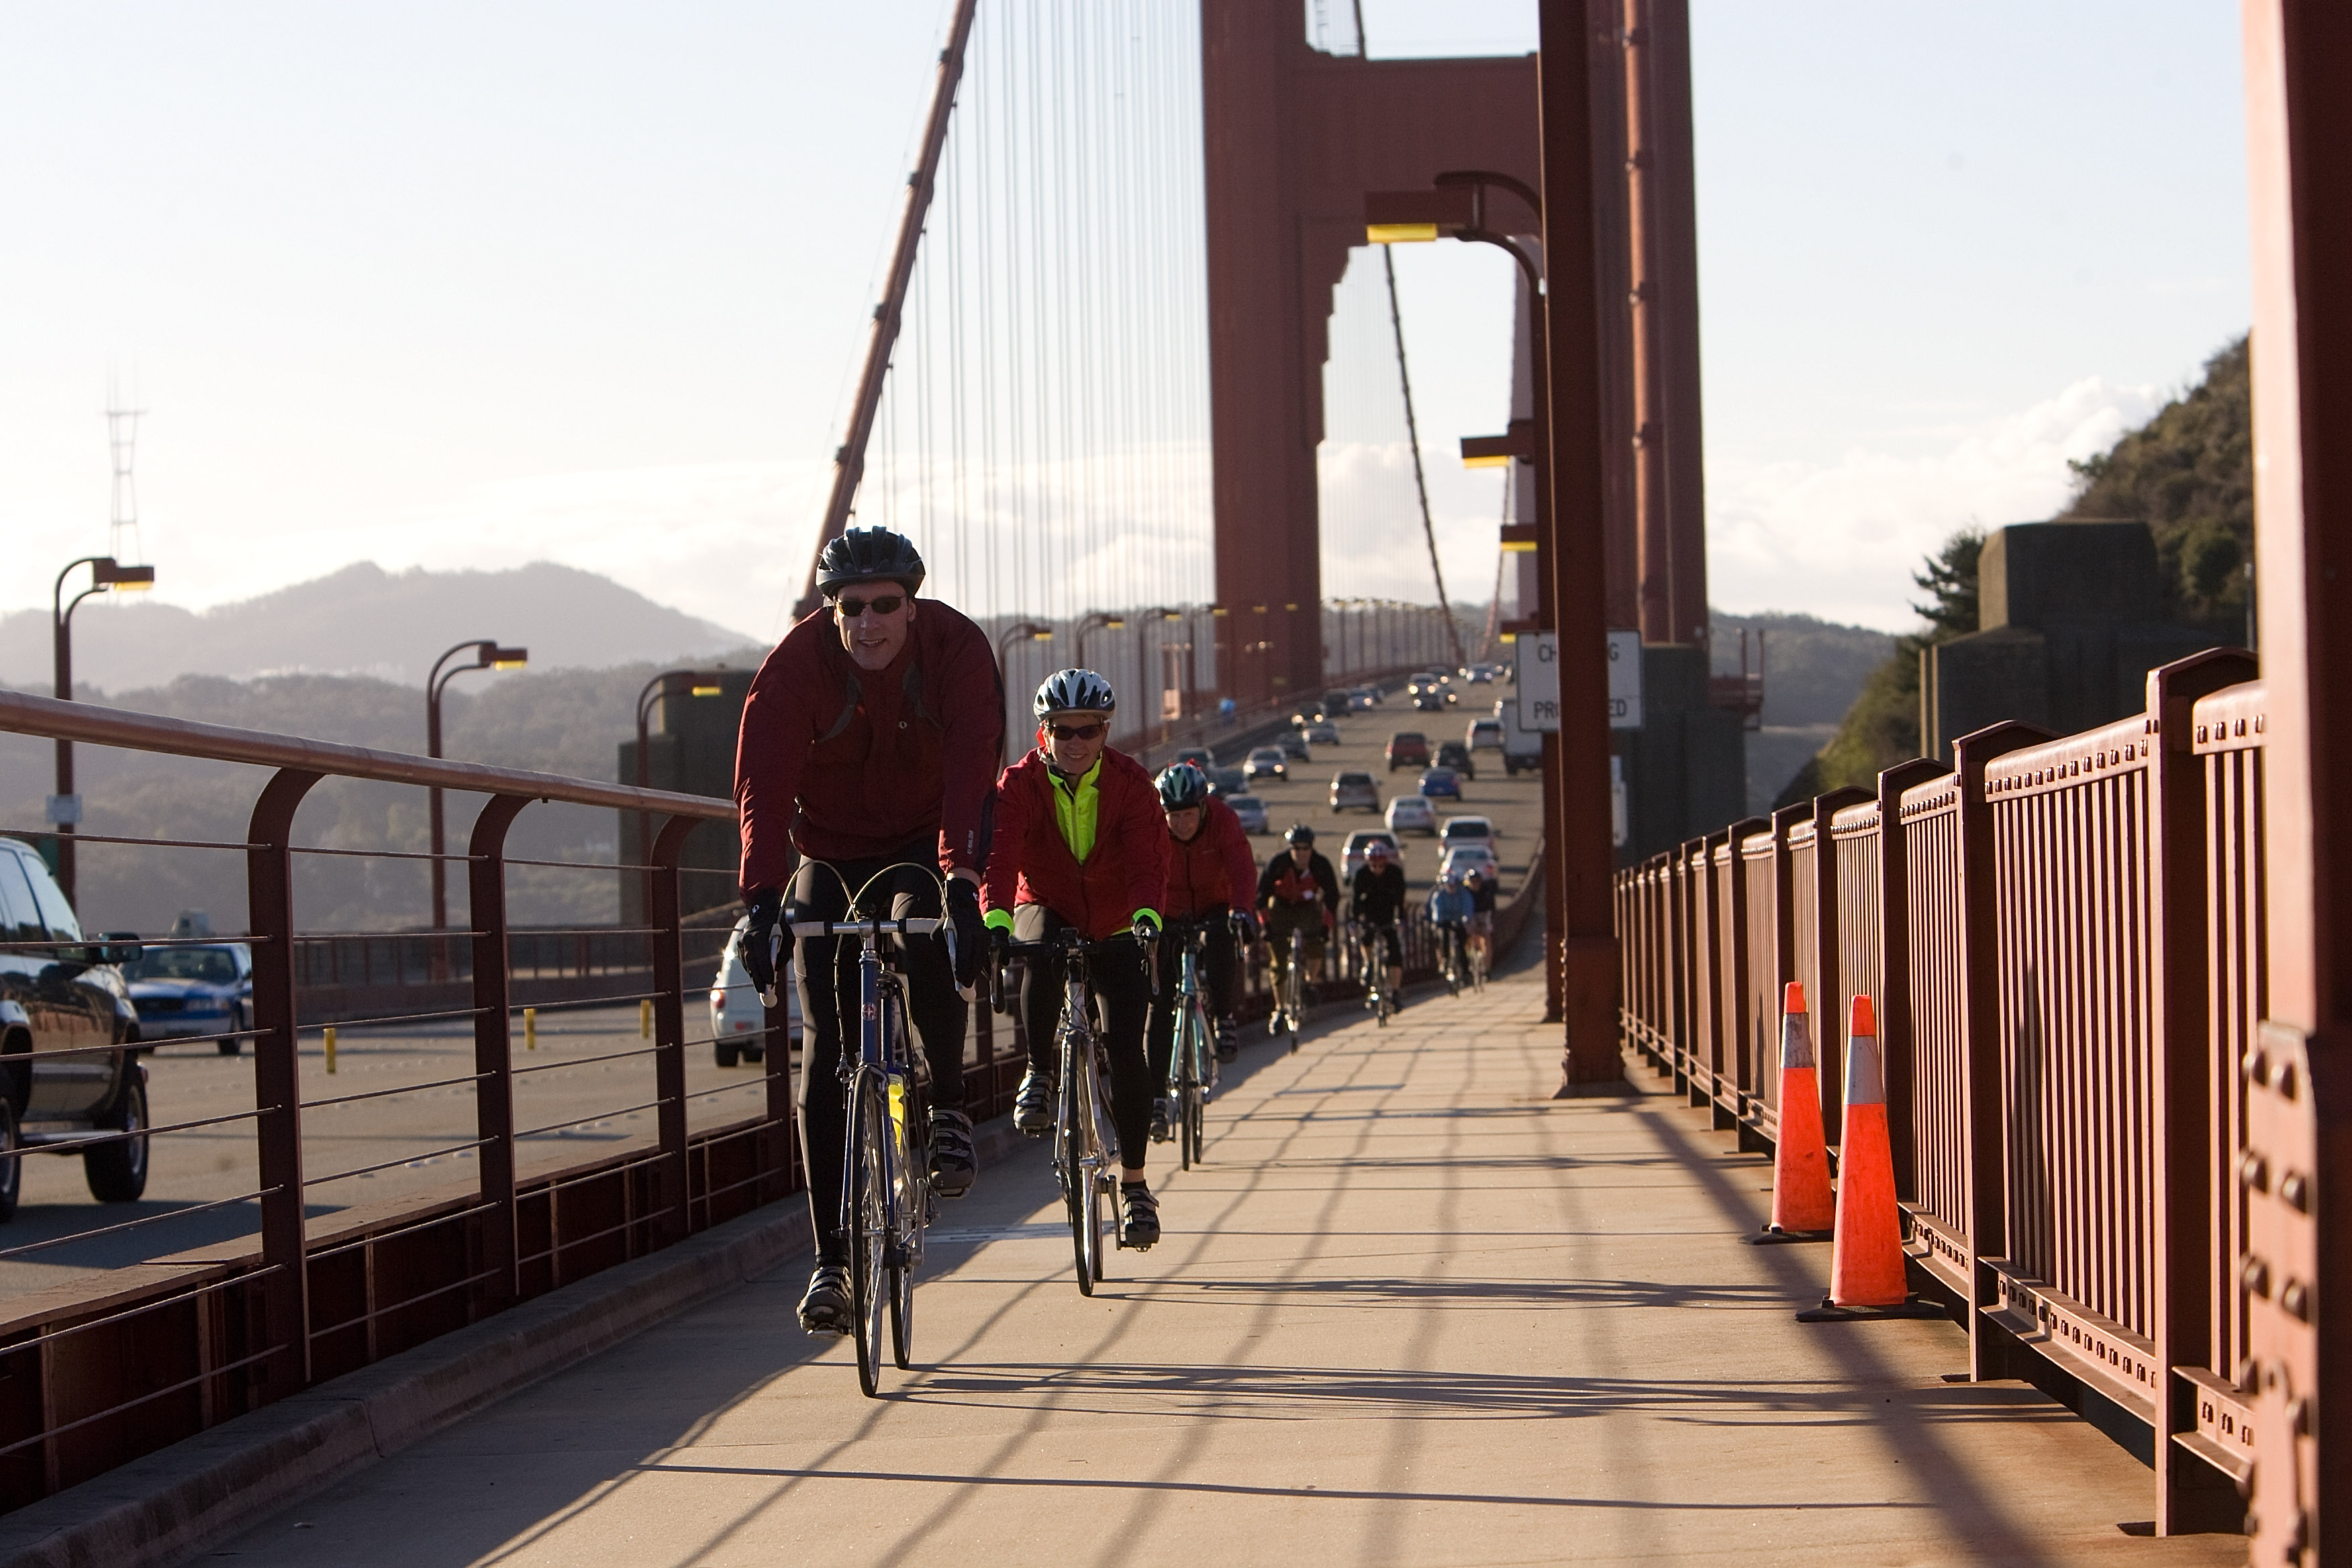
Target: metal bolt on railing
{"points": [[645, 1019], [530, 1028], [331, 1047]]}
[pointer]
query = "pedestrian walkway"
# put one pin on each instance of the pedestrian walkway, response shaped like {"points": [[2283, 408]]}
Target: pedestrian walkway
{"points": [[1411, 1311]]}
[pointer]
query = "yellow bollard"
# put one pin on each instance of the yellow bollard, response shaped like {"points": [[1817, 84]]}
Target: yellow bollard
{"points": [[331, 1047], [530, 1028], [646, 1020]]}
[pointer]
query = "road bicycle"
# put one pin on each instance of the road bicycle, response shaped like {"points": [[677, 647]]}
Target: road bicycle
{"points": [[1086, 1141], [1193, 1066], [1453, 957], [1478, 964], [886, 1184], [1371, 960], [1290, 993]]}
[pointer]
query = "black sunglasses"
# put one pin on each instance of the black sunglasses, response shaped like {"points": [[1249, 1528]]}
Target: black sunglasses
{"points": [[888, 605], [1076, 731]]}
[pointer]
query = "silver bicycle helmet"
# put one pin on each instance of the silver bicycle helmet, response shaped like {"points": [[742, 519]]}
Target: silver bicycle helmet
{"points": [[1182, 787], [868, 555], [1074, 691]]}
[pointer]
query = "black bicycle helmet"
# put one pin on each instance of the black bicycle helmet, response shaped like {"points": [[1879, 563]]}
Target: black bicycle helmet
{"points": [[1299, 834], [1182, 787], [1074, 691], [868, 555]]}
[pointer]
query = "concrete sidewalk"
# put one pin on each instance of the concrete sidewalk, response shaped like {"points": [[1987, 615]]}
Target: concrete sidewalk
{"points": [[1411, 1311]]}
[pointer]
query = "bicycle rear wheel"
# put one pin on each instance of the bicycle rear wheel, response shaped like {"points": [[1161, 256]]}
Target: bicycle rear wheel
{"points": [[913, 1193], [870, 1237]]}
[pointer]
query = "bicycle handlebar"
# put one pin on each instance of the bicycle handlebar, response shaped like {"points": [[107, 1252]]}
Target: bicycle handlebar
{"points": [[915, 925]]}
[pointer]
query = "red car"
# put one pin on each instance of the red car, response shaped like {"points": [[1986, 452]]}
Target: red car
{"points": [[1408, 749]]}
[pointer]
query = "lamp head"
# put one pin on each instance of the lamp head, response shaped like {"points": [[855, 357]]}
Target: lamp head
{"points": [[497, 657], [107, 572]]}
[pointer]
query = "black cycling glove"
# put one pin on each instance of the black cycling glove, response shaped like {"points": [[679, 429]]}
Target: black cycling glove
{"points": [[962, 899], [766, 932]]}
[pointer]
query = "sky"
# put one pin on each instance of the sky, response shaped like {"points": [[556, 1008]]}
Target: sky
{"points": [[472, 285]]}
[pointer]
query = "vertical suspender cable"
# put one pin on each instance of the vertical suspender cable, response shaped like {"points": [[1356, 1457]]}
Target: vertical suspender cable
{"points": [[849, 463]]}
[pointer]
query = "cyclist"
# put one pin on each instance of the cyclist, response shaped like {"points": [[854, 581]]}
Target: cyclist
{"points": [[1299, 892], [1481, 886], [868, 742], [1449, 910], [1376, 901], [1080, 846], [1210, 873]]}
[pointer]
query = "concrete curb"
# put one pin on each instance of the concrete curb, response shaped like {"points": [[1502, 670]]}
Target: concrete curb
{"points": [[170, 1505]]}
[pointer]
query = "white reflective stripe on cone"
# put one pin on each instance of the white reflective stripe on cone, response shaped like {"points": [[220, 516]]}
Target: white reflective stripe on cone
{"points": [[1866, 1078], [1796, 1041]]}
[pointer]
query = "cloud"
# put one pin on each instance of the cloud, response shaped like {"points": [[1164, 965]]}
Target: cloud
{"points": [[1841, 539]]}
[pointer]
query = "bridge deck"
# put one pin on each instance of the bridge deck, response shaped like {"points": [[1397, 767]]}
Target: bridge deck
{"points": [[1411, 1312]]}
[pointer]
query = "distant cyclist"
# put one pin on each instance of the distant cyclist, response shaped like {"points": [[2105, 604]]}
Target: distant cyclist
{"points": [[1449, 908], [1481, 886], [1081, 845], [1376, 902], [869, 742], [1297, 891], [1210, 873]]}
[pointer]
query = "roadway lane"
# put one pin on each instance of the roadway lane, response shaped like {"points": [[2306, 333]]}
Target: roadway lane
{"points": [[414, 1135], [1514, 804], [1411, 1311]]}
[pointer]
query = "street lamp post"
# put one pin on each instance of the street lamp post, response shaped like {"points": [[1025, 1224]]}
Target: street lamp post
{"points": [[1099, 618], [1162, 614], [1036, 631], [106, 574], [669, 683], [488, 655]]}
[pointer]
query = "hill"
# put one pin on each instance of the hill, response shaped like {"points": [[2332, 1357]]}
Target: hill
{"points": [[1813, 671], [363, 620]]}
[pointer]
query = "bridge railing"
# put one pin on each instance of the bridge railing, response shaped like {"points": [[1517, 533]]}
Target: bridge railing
{"points": [[2063, 938], [308, 1281]]}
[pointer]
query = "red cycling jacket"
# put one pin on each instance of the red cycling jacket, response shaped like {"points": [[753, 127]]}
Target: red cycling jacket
{"points": [[1029, 862], [842, 763], [1214, 871]]}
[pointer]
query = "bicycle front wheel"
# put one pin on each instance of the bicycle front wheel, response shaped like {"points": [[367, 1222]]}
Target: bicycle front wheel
{"points": [[1081, 1191], [870, 1226], [1192, 1052]]}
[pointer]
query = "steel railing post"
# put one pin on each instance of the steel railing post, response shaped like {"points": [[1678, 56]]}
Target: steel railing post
{"points": [[670, 1027], [1984, 1105], [278, 1084], [1895, 1040], [485, 889]]}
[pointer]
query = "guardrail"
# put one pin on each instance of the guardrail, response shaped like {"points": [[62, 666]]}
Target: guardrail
{"points": [[99, 1373], [2063, 938]]}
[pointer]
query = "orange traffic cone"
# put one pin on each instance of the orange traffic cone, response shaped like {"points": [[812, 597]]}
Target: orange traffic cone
{"points": [[1866, 1274], [1803, 1207]]}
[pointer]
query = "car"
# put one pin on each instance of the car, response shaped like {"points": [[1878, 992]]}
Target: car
{"points": [[60, 992], [1413, 814], [1432, 700], [1481, 675], [1354, 791], [1294, 746], [1336, 703], [1467, 830], [1485, 736], [1351, 853], [1407, 749], [1267, 763], [1250, 809], [1443, 782], [1226, 781], [204, 989], [1461, 857], [1199, 756], [1362, 700], [1321, 734], [736, 1016], [1456, 755]]}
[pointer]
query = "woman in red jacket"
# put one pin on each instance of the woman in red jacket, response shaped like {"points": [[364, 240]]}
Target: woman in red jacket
{"points": [[1210, 874], [1079, 845]]}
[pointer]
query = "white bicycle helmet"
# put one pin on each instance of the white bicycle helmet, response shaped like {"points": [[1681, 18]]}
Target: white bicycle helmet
{"points": [[1074, 691]]}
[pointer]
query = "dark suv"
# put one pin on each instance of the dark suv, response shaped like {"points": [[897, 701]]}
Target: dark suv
{"points": [[59, 994], [1456, 755], [1408, 749]]}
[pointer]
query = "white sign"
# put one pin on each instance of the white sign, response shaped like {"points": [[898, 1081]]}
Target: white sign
{"points": [[65, 810], [1624, 681], [1618, 831], [1538, 679]]}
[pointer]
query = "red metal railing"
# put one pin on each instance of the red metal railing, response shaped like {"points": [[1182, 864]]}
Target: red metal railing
{"points": [[2063, 936]]}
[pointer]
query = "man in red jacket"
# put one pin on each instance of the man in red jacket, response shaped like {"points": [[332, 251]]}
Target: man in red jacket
{"points": [[1080, 846], [1211, 872], [869, 746]]}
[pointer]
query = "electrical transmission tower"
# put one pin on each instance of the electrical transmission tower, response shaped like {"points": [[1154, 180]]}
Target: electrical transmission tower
{"points": [[122, 440]]}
